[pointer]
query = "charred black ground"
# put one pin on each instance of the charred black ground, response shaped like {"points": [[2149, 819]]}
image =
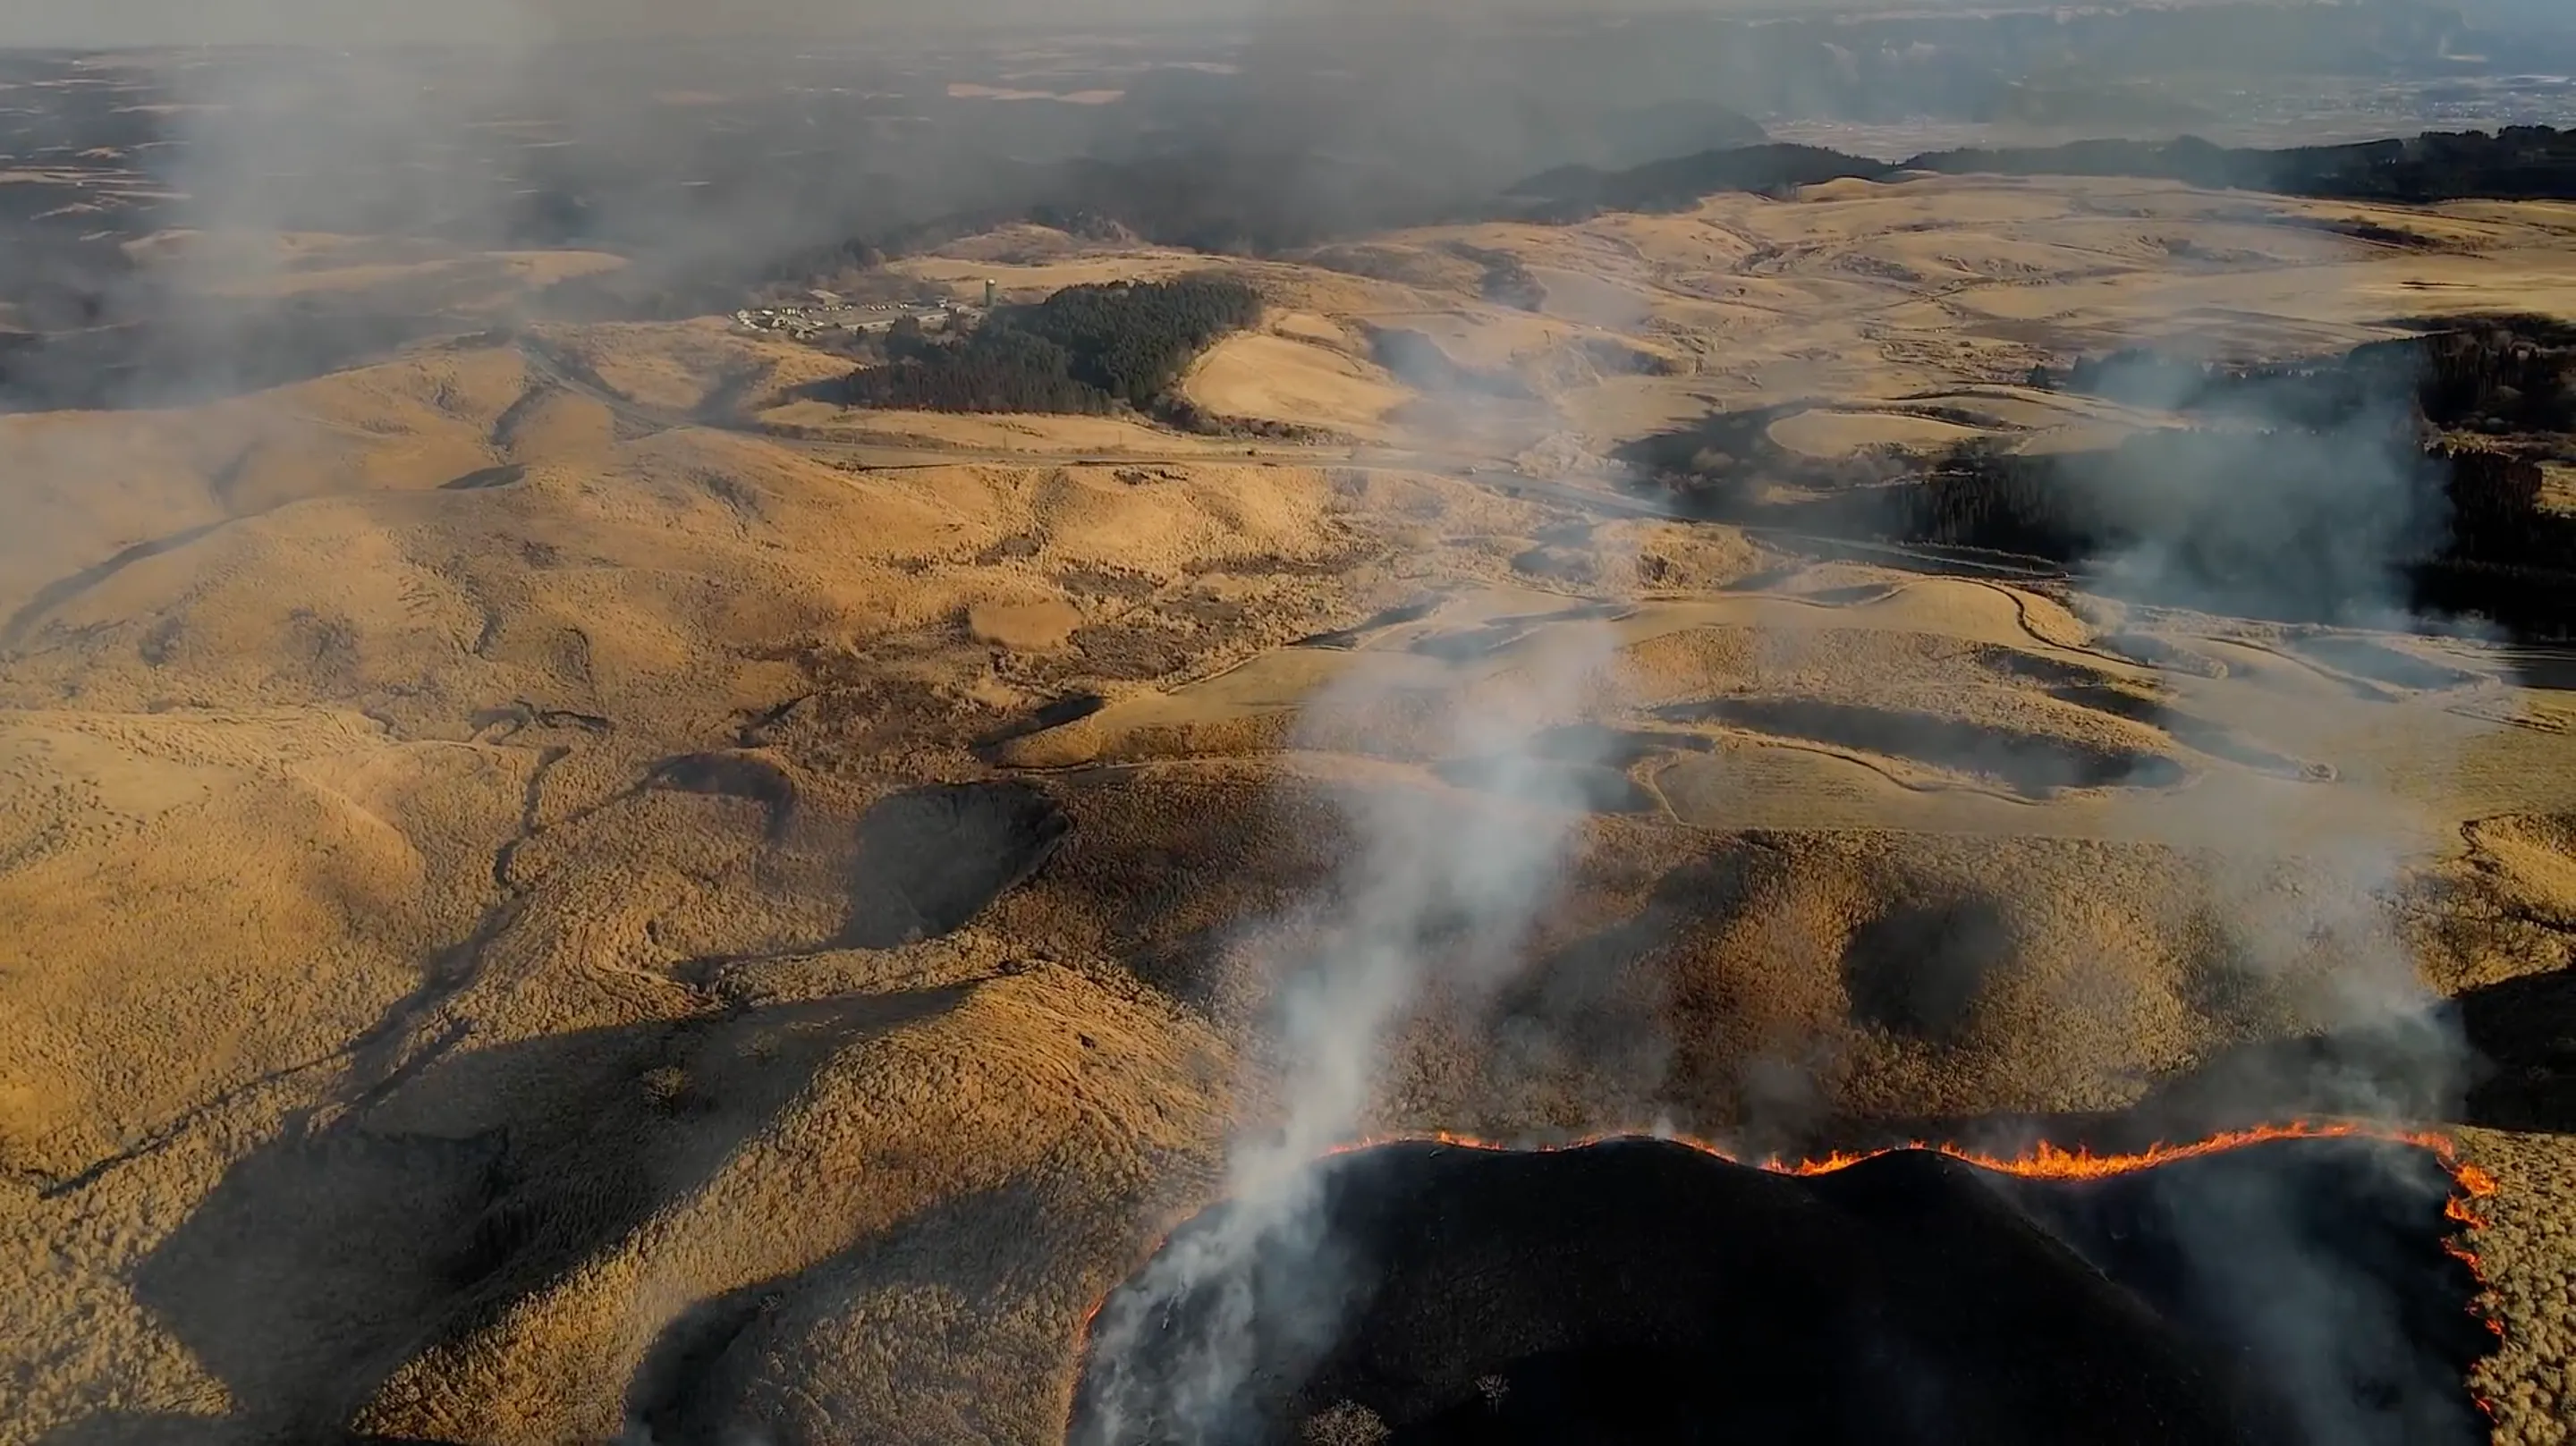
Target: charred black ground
{"points": [[2296, 1290]]}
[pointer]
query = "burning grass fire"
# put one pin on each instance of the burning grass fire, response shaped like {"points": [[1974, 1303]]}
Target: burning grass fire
{"points": [[2294, 1284]]}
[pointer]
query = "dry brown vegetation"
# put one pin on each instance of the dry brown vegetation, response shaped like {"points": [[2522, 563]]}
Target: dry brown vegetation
{"points": [[447, 989]]}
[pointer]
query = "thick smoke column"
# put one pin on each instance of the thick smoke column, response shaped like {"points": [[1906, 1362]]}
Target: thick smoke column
{"points": [[1432, 893]]}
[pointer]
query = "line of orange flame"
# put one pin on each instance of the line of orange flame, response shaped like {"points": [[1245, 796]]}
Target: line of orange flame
{"points": [[2044, 1162]]}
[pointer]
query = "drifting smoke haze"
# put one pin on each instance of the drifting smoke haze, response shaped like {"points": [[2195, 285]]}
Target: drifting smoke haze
{"points": [[1424, 908], [2282, 519], [2302, 522], [2277, 517], [714, 154]]}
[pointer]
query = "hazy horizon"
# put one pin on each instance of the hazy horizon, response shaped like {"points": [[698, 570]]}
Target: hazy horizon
{"points": [[109, 24]]}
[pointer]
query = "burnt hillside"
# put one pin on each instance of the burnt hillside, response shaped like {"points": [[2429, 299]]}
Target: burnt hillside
{"points": [[1642, 1290]]}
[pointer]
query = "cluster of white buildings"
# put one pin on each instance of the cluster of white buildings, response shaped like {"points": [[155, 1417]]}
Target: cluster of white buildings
{"points": [[820, 317], [827, 313]]}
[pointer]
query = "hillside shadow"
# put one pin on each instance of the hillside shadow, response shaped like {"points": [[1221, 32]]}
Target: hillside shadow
{"points": [[2261, 522], [1918, 970], [695, 1377], [2500, 1057], [320, 1263], [931, 858], [2525, 1032], [63, 589]]}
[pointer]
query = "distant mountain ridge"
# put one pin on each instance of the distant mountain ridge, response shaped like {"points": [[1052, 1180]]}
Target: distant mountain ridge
{"points": [[2515, 163]]}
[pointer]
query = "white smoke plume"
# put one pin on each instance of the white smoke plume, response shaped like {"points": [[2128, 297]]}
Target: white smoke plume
{"points": [[2314, 526], [1432, 893]]}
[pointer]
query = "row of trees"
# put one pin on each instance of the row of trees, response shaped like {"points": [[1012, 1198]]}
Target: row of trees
{"points": [[996, 369], [1132, 340], [2519, 371]]}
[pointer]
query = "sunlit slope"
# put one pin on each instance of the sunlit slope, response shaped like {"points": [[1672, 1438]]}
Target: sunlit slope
{"points": [[441, 808]]}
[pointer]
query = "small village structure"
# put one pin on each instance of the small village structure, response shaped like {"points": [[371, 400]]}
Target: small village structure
{"points": [[829, 313]]}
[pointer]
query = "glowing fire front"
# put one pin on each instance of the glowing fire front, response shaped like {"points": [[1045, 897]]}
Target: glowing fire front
{"points": [[2044, 1161]]}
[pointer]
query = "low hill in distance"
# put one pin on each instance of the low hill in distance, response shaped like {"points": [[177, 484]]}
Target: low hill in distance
{"points": [[2516, 163]]}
